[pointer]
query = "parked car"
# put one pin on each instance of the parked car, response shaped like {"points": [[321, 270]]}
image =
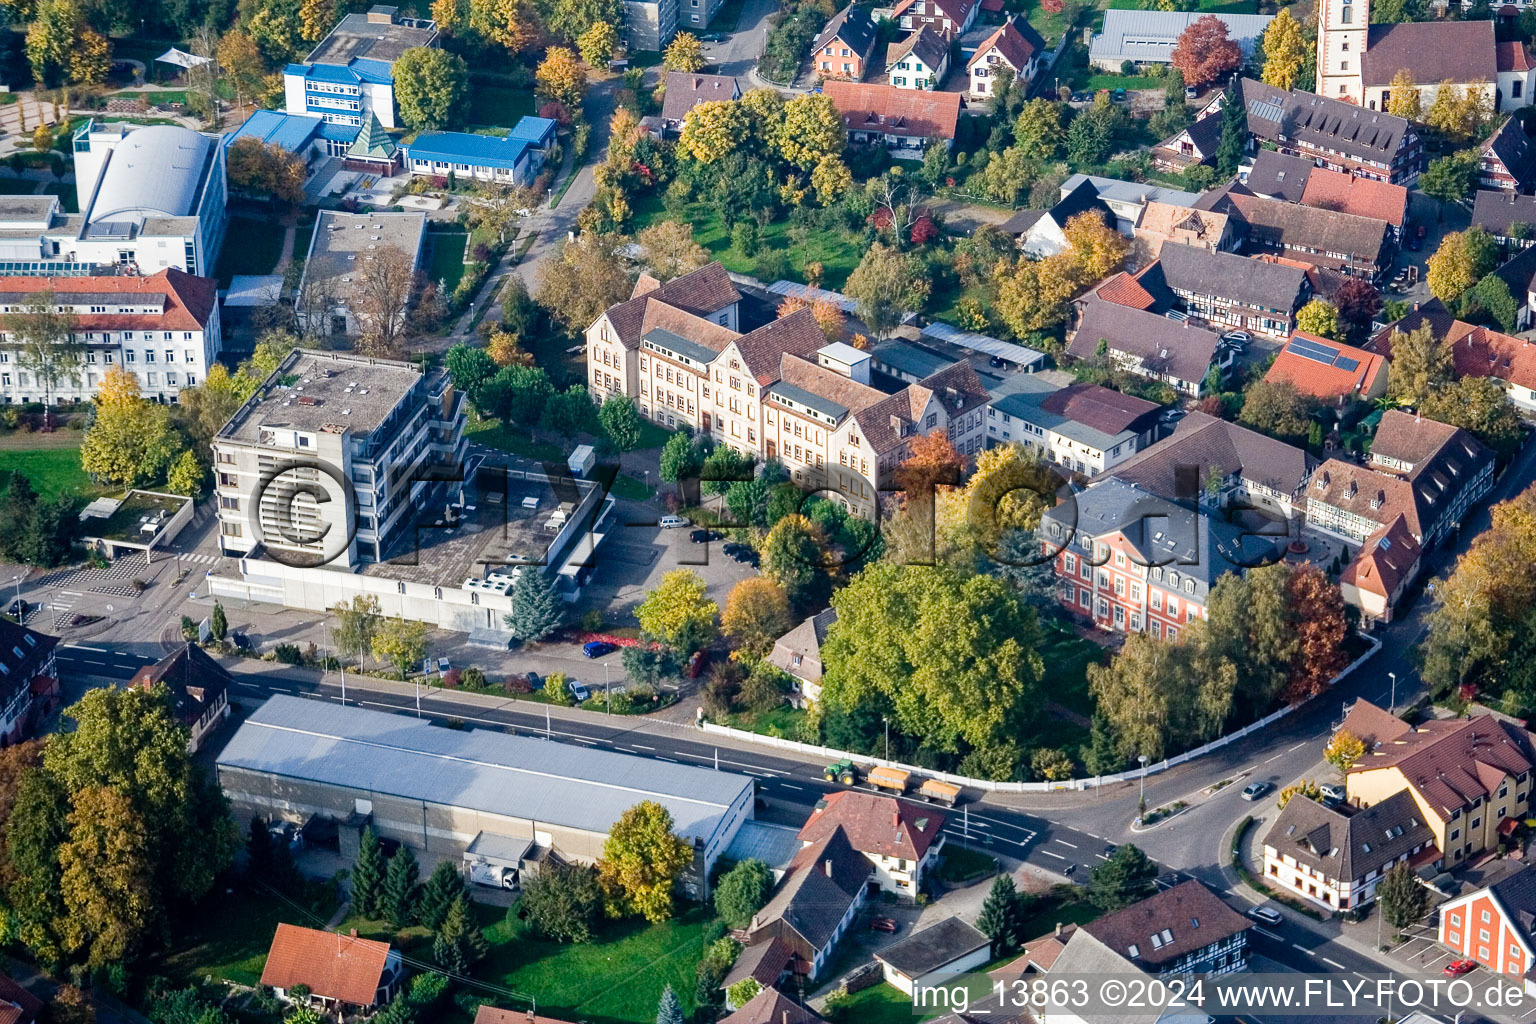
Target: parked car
{"points": [[241, 641], [580, 692], [1241, 337], [705, 536], [1191, 92], [1170, 415], [672, 522], [1254, 790], [883, 924], [1119, 96], [596, 649], [1109, 850], [741, 553], [1331, 791], [444, 665], [997, 362], [17, 609], [1269, 915], [1456, 967]]}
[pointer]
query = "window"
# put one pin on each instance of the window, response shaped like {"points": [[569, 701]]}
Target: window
{"points": [[1487, 917]]}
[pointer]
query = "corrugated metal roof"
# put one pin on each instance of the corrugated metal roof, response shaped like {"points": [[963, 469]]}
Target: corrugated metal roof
{"points": [[465, 148], [533, 129], [291, 131], [796, 290], [516, 776], [1150, 36], [1020, 354]]}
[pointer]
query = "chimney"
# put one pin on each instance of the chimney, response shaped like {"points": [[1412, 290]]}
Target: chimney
{"points": [[1058, 929], [827, 866], [895, 819], [532, 1017], [354, 933]]}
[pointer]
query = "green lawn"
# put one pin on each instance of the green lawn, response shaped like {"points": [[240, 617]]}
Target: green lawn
{"points": [[652, 436], [834, 250], [1067, 657], [499, 435], [631, 489], [52, 468], [250, 247], [155, 96], [783, 721], [961, 863], [228, 935], [1046, 912], [446, 263], [881, 1004], [67, 194], [1093, 83], [645, 58], [491, 103], [1049, 25], [302, 235]]}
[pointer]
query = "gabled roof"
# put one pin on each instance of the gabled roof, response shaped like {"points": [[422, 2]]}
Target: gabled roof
{"points": [[687, 89], [1320, 122], [771, 1006], [1015, 41], [1350, 193], [1452, 762], [1385, 562], [878, 825], [1494, 210], [1124, 290], [1348, 845], [1374, 725], [877, 107], [821, 882], [764, 349], [955, 10], [1484, 352], [23, 652], [188, 306], [196, 682], [1162, 928], [334, 966], [1326, 369], [804, 640], [763, 963], [1514, 56], [1232, 277], [697, 294], [496, 1015], [1163, 346], [1514, 149], [1432, 51], [1515, 895], [931, 948], [851, 26], [1321, 231], [1205, 441], [17, 1005], [926, 44], [1280, 175]]}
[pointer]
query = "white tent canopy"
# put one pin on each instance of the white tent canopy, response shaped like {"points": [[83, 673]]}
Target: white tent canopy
{"points": [[182, 59]]}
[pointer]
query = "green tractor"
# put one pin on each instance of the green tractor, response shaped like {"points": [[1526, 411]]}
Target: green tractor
{"points": [[843, 771]]}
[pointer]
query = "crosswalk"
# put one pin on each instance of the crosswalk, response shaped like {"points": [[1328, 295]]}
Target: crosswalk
{"points": [[200, 559], [62, 605]]}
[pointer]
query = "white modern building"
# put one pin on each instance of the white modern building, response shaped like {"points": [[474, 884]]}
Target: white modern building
{"points": [[337, 264], [351, 73], [164, 329]]}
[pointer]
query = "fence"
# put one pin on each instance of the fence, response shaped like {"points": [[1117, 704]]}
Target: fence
{"points": [[830, 755]]}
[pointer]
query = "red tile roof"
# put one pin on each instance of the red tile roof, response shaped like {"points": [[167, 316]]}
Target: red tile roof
{"points": [[1324, 380], [17, 1005], [1452, 762], [341, 967], [1386, 560], [771, 1006], [880, 825], [1480, 352], [1514, 56], [1363, 197], [496, 1015], [1010, 43], [189, 300], [1374, 725], [955, 10], [876, 107], [1125, 290]]}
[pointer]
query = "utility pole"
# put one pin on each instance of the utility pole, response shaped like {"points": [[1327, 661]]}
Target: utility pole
{"points": [[1393, 677]]}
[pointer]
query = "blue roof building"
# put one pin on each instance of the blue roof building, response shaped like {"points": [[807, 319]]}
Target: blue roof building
{"points": [[294, 132], [514, 159], [351, 73]]}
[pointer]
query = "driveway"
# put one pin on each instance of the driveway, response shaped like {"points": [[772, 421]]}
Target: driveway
{"points": [[739, 52]]}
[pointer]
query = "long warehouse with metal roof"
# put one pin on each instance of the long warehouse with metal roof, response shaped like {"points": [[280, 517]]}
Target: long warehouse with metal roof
{"points": [[438, 789]]}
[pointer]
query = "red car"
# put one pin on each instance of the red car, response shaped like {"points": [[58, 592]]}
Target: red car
{"points": [[883, 924], [1461, 967], [696, 663]]}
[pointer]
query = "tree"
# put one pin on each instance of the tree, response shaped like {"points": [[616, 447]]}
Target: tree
{"points": [[1285, 51], [1319, 317], [1102, 756], [792, 556], [400, 892], [517, 394], [383, 298], [1037, 131], [244, 68], [1204, 52], [1404, 101], [401, 642], [70, 1005], [504, 350], [831, 179], [756, 614], [811, 131], [537, 609], [459, 944], [1035, 295], [218, 624], [1321, 627], [1234, 131], [1148, 694], [51, 39], [829, 315], [684, 53], [469, 367], [1091, 135], [1491, 295], [713, 130], [431, 88], [597, 43], [677, 613], [43, 335], [641, 862], [1358, 302], [1344, 750], [1451, 179], [131, 441], [886, 284], [512, 24], [1404, 901], [267, 170], [1097, 248], [563, 902], [743, 991], [354, 624], [106, 883], [670, 250], [560, 78], [670, 1009], [620, 420], [1481, 406], [1002, 916], [585, 279], [443, 886], [1421, 362], [1125, 878], [186, 475], [742, 891], [569, 412], [368, 875], [1460, 113], [316, 17]]}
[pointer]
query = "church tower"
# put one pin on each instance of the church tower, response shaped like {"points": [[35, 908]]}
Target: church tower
{"points": [[1342, 28]]}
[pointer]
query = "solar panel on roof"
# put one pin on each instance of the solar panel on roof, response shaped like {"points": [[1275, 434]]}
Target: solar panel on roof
{"points": [[1267, 110], [1345, 363], [1308, 349]]}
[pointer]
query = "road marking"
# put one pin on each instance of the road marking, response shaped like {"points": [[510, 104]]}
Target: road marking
{"points": [[1298, 746], [1063, 842], [1333, 963], [642, 746], [94, 650], [1105, 857], [1304, 949], [1275, 758], [982, 824], [88, 661], [1268, 934], [672, 759], [790, 785], [1048, 853]]}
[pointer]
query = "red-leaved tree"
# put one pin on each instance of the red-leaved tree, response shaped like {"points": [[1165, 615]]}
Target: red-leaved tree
{"points": [[1358, 301], [1317, 617], [1204, 53]]}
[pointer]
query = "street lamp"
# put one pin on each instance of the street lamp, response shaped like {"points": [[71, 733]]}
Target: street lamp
{"points": [[887, 722], [1393, 677], [17, 580], [1141, 808]]}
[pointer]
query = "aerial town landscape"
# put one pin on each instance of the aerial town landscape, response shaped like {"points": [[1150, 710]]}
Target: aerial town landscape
{"points": [[799, 512]]}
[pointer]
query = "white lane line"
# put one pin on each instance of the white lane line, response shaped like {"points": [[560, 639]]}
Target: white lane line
{"points": [[738, 764], [1104, 857], [1063, 842], [1304, 949], [1298, 746], [1268, 934], [94, 650], [1048, 853], [981, 824], [1275, 758], [88, 661], [672, 759], [1333, 963], [790, 785], [642, 746]]}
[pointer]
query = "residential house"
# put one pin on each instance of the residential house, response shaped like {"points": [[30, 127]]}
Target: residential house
{"points": [[844, 47], [905, 121], [1508, 216], [1186, 929], [918, 61], [1335, 857], [487, 1014], [1133, 561], [933, 956], [1381, 573], [343, 973], [1229, 291], [1494, 925], [27, 671], [1083, 428], [1129, 200], [199, 689], [350, 74], [1013, 51], [1278, 175], [1336, 134], [1329, 370], [1507, 160], [900, 840], [798, 654], [770, 1006], [1042, 233], [767, 963], [1429, 472], [1189, 147], [1222, 465], [950, 18], [687, 89], [1147, 345], [1161, 223], [1357, 196], [815, 903], [17, 1005], [1357, 246], [1150, 37], [1469, 777], [1123, 289]]}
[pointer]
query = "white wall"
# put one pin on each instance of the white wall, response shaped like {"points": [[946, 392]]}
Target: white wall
{"points": [[293, 94]]}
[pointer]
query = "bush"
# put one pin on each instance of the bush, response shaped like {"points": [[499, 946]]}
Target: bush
{"points": [[452, 678], [517, 683], [473, 677], [288, 654]]}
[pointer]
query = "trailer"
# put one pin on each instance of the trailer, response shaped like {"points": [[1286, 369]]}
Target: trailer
{"points": [[942, 792], [894, 779]]}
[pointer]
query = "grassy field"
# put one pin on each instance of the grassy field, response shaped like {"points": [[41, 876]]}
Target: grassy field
{"points": [[631, 488], [1067, 657], [783, 721], [50, 461], [499, 435], [228, 936], [446, 263], [834, 250], [491, 103], [260, 243], [881, 1004], [960, 863], [1093, 83]]}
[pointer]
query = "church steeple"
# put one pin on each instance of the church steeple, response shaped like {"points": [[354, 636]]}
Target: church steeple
{"points": [[1342, 30]]}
